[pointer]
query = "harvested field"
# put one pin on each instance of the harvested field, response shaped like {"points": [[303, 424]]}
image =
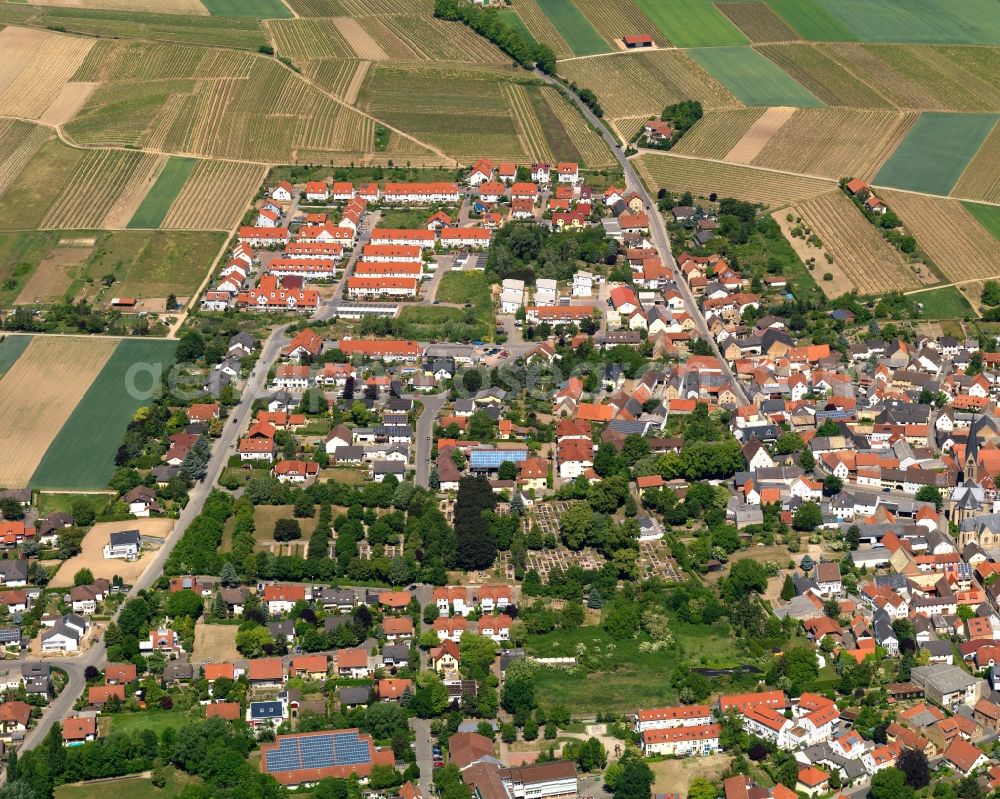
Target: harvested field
{"points": [[156, 6], [215, 196], [615, 19], [38, 394], [364, 46], [759, 134], [717, 132], [106, 185], [307, 39], [71, 98], [772, 189], [960, 247], [357, 81], [43, 76], [758, 22], [637, 84], [18, 46], [819, 71], [19, 141], [981, 178], [835, 142], [54, 275], [873, 265], [92, 556], [214, 643], [541, 28]]}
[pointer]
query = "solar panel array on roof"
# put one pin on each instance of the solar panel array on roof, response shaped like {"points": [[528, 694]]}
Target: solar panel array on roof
{"points": [[296, 752], [492, 458]]}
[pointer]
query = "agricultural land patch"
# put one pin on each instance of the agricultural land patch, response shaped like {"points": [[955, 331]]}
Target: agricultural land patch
{"points": [[752, 78], [981, 178], [161, 195], [717, 132], [692, 23]]}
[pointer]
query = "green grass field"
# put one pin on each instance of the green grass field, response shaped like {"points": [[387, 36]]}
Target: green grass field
{"points": [[176, 782], [20, 255], [48, 502], [157, 720], [154, 206], [465, 287], [258, 9], [752, 78], [510, 18], [935, 152], [409, 218], [692, 23], [811, 20], [986, 215], [946, 302], [926, 21], [10, 350], [574, 27], [82, 455], [35, 188]]}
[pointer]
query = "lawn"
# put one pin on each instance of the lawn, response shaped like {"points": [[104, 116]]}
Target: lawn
{"points": [[465, 287], [154, 206], [616, 675], [156, 720], [510, 18], [944, 303], [692, 23], [811, 21], [574, 27], [82, 455], [10, 350], [258, 9], [265, 517], [48, 502], [987, 215], [752, 78], [409, 218], [927, 21], [176, 782], [935, 152]]}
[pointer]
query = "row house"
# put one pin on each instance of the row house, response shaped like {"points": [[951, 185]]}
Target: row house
{"points": [[263, 236], [269, 296], [469, 238], [388, 269], [699, 740], [396, 253], [376, 287], [424, 239], [307, 269], [665, 718], [421, 193]]}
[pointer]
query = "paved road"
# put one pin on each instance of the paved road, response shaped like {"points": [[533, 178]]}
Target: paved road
{"points": [[656, 227], [222, 449], [422, 733], [433, 403]]}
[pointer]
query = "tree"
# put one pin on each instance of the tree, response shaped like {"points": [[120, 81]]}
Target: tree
{"points": [[184, 603], [828, 429], [746, 576], [890, 783], [807, 518], [788, 588], [594, 599], [518, 694], [287, 530], [622, 621], [477, 546], [832, 485], [576, 525], [991, 293], [630, 778], [83, 577], [807, 460], [507, 471], [229, 576], [701, 788], [478, 654], [930, 494], [916, 770]]}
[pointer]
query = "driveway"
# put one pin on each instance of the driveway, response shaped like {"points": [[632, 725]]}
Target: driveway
{"points": [[422, 732]]}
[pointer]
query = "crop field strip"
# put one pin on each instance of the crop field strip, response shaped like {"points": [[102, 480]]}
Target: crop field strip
{"points": [[215, 196], [981, 178], [529, 128], [811, 20], [306, 39], [961, 247], [255, 9], [614, 19], [758, 22], [411, 38], [542, 28], [772, 189], [836, 142], [43, 76], [140, 183], [575, 28], [11, 349], [986, 215], [101, 180], [752, 78], [153, 6], [155, 205], [29, 195], [717, 132], [634, 84], [871, 263], [759, 134], [692, 23], [936, 152], [832, 82], [930, 21], [82, 453], [242, 33], [591, 148], [38, 394], [19, 142], [338, 76], [361, 8]]}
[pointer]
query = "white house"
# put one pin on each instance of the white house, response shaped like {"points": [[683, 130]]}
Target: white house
{"points": [[682, 741], [583, 284], [124, 545]]}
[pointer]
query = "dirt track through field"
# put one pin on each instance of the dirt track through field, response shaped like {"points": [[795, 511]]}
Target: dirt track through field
{"points": [[71, 98], [759, 134], [359, 39], [38, 394]]}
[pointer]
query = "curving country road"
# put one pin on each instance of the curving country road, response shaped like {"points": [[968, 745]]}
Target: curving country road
{"points": [[656, 228]]}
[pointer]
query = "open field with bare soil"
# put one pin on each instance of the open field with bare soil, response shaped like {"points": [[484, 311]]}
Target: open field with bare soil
{"points": [[38, 394], [835, 143], [363, 45], [156, 6], [632, 84], [961, 247], [92, 556], [717, 132], [676, 775], [54, 59], [106, 188], [702, 178], [981, 178], [214, 643], [215, 196], [71, 98], [871, 263], [839, 283], [54, 275], [759, 134]]}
